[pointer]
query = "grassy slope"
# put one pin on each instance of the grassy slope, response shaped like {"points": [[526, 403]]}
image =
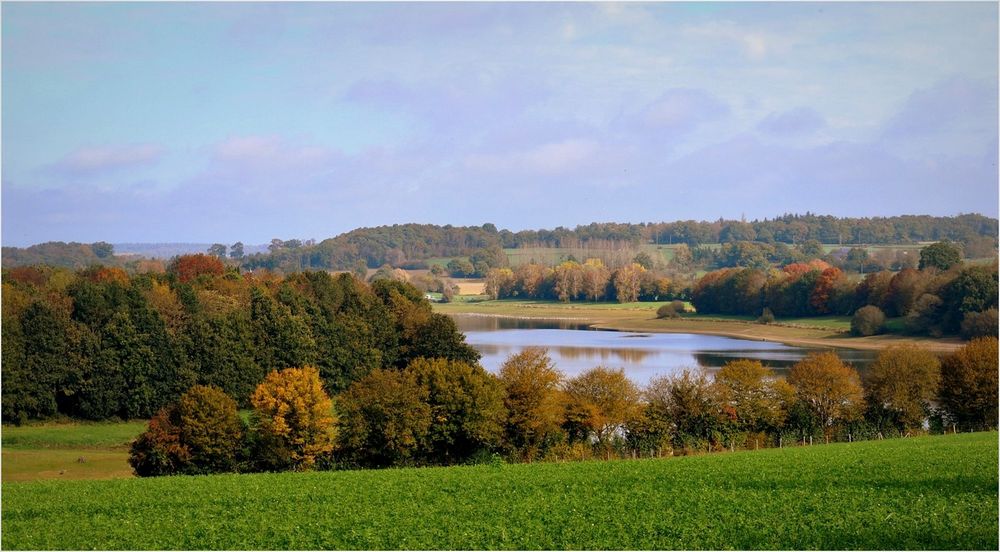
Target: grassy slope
{"points": [[820, 331], [68, 451], [927, 492]]}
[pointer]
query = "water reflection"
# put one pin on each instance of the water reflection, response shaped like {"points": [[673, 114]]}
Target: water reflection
{"points": [[642, 355]]}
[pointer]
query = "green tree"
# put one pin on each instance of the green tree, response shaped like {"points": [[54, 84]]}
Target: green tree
{"points": [[236, 251], [941, 255], [103, 250], [467, 409], [384, 419], [686, 408], [217, 250]]}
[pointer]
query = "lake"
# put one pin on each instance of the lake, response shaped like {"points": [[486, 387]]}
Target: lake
{"points": [[575, 348]]}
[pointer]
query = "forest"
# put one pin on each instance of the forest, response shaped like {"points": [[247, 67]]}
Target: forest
{"points": [[98, 343]]}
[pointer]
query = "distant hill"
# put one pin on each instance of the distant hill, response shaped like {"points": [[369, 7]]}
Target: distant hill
{"points": [[168, 250]]}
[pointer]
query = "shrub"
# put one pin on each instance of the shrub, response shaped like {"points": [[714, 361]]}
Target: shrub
{"points": [[158, 450], [980, 324], [294, 419], [868, 320], [672, 309]]}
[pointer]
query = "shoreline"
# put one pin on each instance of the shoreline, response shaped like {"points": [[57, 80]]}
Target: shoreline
{"points": [[604, 319]]}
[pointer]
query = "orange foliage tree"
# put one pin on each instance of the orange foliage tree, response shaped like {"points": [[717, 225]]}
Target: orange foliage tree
{"points": [[828, 387], [189, 267]]}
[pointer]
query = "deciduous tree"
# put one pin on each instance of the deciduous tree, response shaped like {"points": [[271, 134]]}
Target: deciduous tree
{"points": [[294, 418], [828, 387], [901, 385], [534, 401]]}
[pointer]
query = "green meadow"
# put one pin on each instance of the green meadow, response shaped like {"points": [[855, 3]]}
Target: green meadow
{"points": [[935, 492]]}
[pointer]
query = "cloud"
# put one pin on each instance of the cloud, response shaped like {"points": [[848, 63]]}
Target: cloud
{"points": [[754, 44], [270, 151], [953, 104], [794, 121], [682, 109], [551, 158], [100, 160]]}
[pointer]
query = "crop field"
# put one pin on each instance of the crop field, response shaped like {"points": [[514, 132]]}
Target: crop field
{"points": [[919, 493]]}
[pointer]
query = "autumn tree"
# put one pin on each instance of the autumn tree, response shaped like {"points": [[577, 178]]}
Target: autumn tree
{"points": [[969, 384], [533, 400], [599, 403], [685, 408], [596, 277], [749, 394], [830, 389], [189, 267], [868, 320], [294, 418], [980, 324], [201, 433], [500, 283], [158, 450], [626, 281], [901, 385], [568, 281]]}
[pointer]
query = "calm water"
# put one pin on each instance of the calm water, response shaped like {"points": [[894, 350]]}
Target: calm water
{"points": [[576, 348]]}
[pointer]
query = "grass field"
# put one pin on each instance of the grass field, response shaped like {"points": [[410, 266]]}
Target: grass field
{"points": [[919, 493], [826, 331], [68, 450]]}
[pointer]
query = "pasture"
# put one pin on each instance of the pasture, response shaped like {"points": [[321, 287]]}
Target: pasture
{"points": [[53, 450], [918, 493]]}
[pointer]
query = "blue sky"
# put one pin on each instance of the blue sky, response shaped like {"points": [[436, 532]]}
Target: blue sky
{"points": [[227, 121]]}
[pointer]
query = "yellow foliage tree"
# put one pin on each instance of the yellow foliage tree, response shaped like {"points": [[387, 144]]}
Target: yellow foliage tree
{"points": [[294, 417]]}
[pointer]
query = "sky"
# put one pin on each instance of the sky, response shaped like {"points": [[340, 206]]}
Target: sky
{"points": [[218, 122]]}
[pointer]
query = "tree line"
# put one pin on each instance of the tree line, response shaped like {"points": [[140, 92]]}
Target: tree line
{"points": [[942, 297], [99, 343], [411, 245], [436, 411]]}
